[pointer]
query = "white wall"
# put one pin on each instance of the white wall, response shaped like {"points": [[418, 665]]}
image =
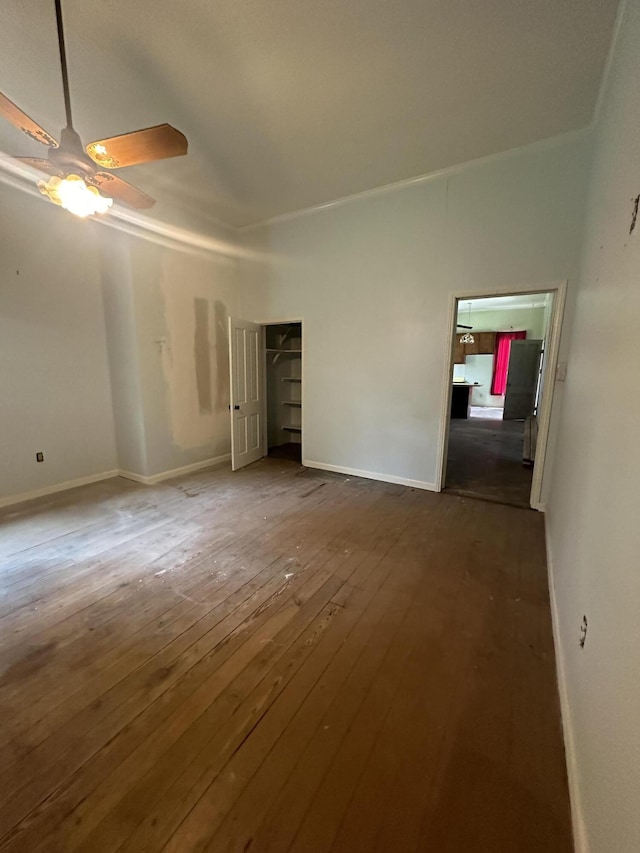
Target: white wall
{"points": [[593, 510], [101, 364], [479, 368], [184, 374], [54, 377], [122, 344], [167, 305], [372, 279]]}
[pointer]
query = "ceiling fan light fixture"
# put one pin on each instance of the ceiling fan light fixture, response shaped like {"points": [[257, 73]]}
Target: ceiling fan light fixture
{"points": [[75, 195], [468, 338]]}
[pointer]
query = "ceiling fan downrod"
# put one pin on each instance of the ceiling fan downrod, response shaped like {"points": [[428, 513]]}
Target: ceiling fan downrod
{"points": [[70, 156], [63, 64]]}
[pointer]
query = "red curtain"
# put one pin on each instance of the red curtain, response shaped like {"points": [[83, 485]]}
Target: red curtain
{"points": [[501, 359]]}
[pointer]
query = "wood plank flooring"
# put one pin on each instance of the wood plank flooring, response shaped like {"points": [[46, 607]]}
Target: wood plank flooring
{"points": [[276, 660]]}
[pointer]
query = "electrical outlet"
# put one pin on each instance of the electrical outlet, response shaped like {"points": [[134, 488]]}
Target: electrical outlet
{"points": [[39, 456], [583, 632]]}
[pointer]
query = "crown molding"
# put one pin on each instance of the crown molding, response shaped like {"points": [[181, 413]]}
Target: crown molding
{"points": [[148, 228], [540, 145]]}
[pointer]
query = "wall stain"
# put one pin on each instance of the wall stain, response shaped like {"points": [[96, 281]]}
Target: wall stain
{"points": [[634, 215]]}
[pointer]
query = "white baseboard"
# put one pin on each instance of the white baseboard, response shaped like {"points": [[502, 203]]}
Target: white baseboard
{"points": [[9, 500], [581, 844], [371, 475], [175, 472], [137, 478]]}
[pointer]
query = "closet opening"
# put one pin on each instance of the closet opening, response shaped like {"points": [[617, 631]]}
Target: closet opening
{"points": [[283, 385]]}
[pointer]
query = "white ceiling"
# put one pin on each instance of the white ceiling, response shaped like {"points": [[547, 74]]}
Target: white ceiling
{"points": [[292, 103]]}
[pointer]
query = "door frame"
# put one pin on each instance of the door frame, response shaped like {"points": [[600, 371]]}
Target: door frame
{"points": [[263, 362], [552, 348]]}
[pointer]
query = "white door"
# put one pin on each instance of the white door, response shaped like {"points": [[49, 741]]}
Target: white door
{"points": [[246, 392], [522, 379]]}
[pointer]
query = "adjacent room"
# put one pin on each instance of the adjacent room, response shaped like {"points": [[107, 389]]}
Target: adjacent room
{"points": [[499, 367], [318, 466]]}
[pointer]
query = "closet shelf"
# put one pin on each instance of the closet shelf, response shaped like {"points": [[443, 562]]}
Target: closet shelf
{"points": [[291, 379], [296, 403], [292, 429]]}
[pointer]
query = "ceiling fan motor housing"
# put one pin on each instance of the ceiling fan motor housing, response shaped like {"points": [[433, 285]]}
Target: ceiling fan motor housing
{"points": [[70, 157]]}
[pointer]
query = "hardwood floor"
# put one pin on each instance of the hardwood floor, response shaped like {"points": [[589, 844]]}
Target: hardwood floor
{"points": [[277, 660]]}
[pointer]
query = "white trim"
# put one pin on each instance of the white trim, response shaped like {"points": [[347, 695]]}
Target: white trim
{"points": [[552, 349], [278, 322], [174, 472], [477, 309], [9, 500], [538, 145], [136, 478], [371, 475], [580, 839], [137, 224], [445, 406], [559, 290]]}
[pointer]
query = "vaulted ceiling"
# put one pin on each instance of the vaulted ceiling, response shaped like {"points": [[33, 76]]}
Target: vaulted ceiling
{"points": [[293, 103]]}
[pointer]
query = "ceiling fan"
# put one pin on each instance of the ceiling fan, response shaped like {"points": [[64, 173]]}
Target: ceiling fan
{"points": [[77, 180]]}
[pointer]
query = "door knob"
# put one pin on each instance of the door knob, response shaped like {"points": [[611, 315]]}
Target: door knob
{"points": [[237, 408]]}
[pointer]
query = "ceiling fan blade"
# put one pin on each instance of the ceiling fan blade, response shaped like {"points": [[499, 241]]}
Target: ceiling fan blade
{"points": [[40, 164], [22, 121], [140, 146], [120, 190]]}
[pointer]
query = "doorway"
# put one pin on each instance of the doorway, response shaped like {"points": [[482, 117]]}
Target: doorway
{"points": [[283, 371], [266, 366], [502, 347]]}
